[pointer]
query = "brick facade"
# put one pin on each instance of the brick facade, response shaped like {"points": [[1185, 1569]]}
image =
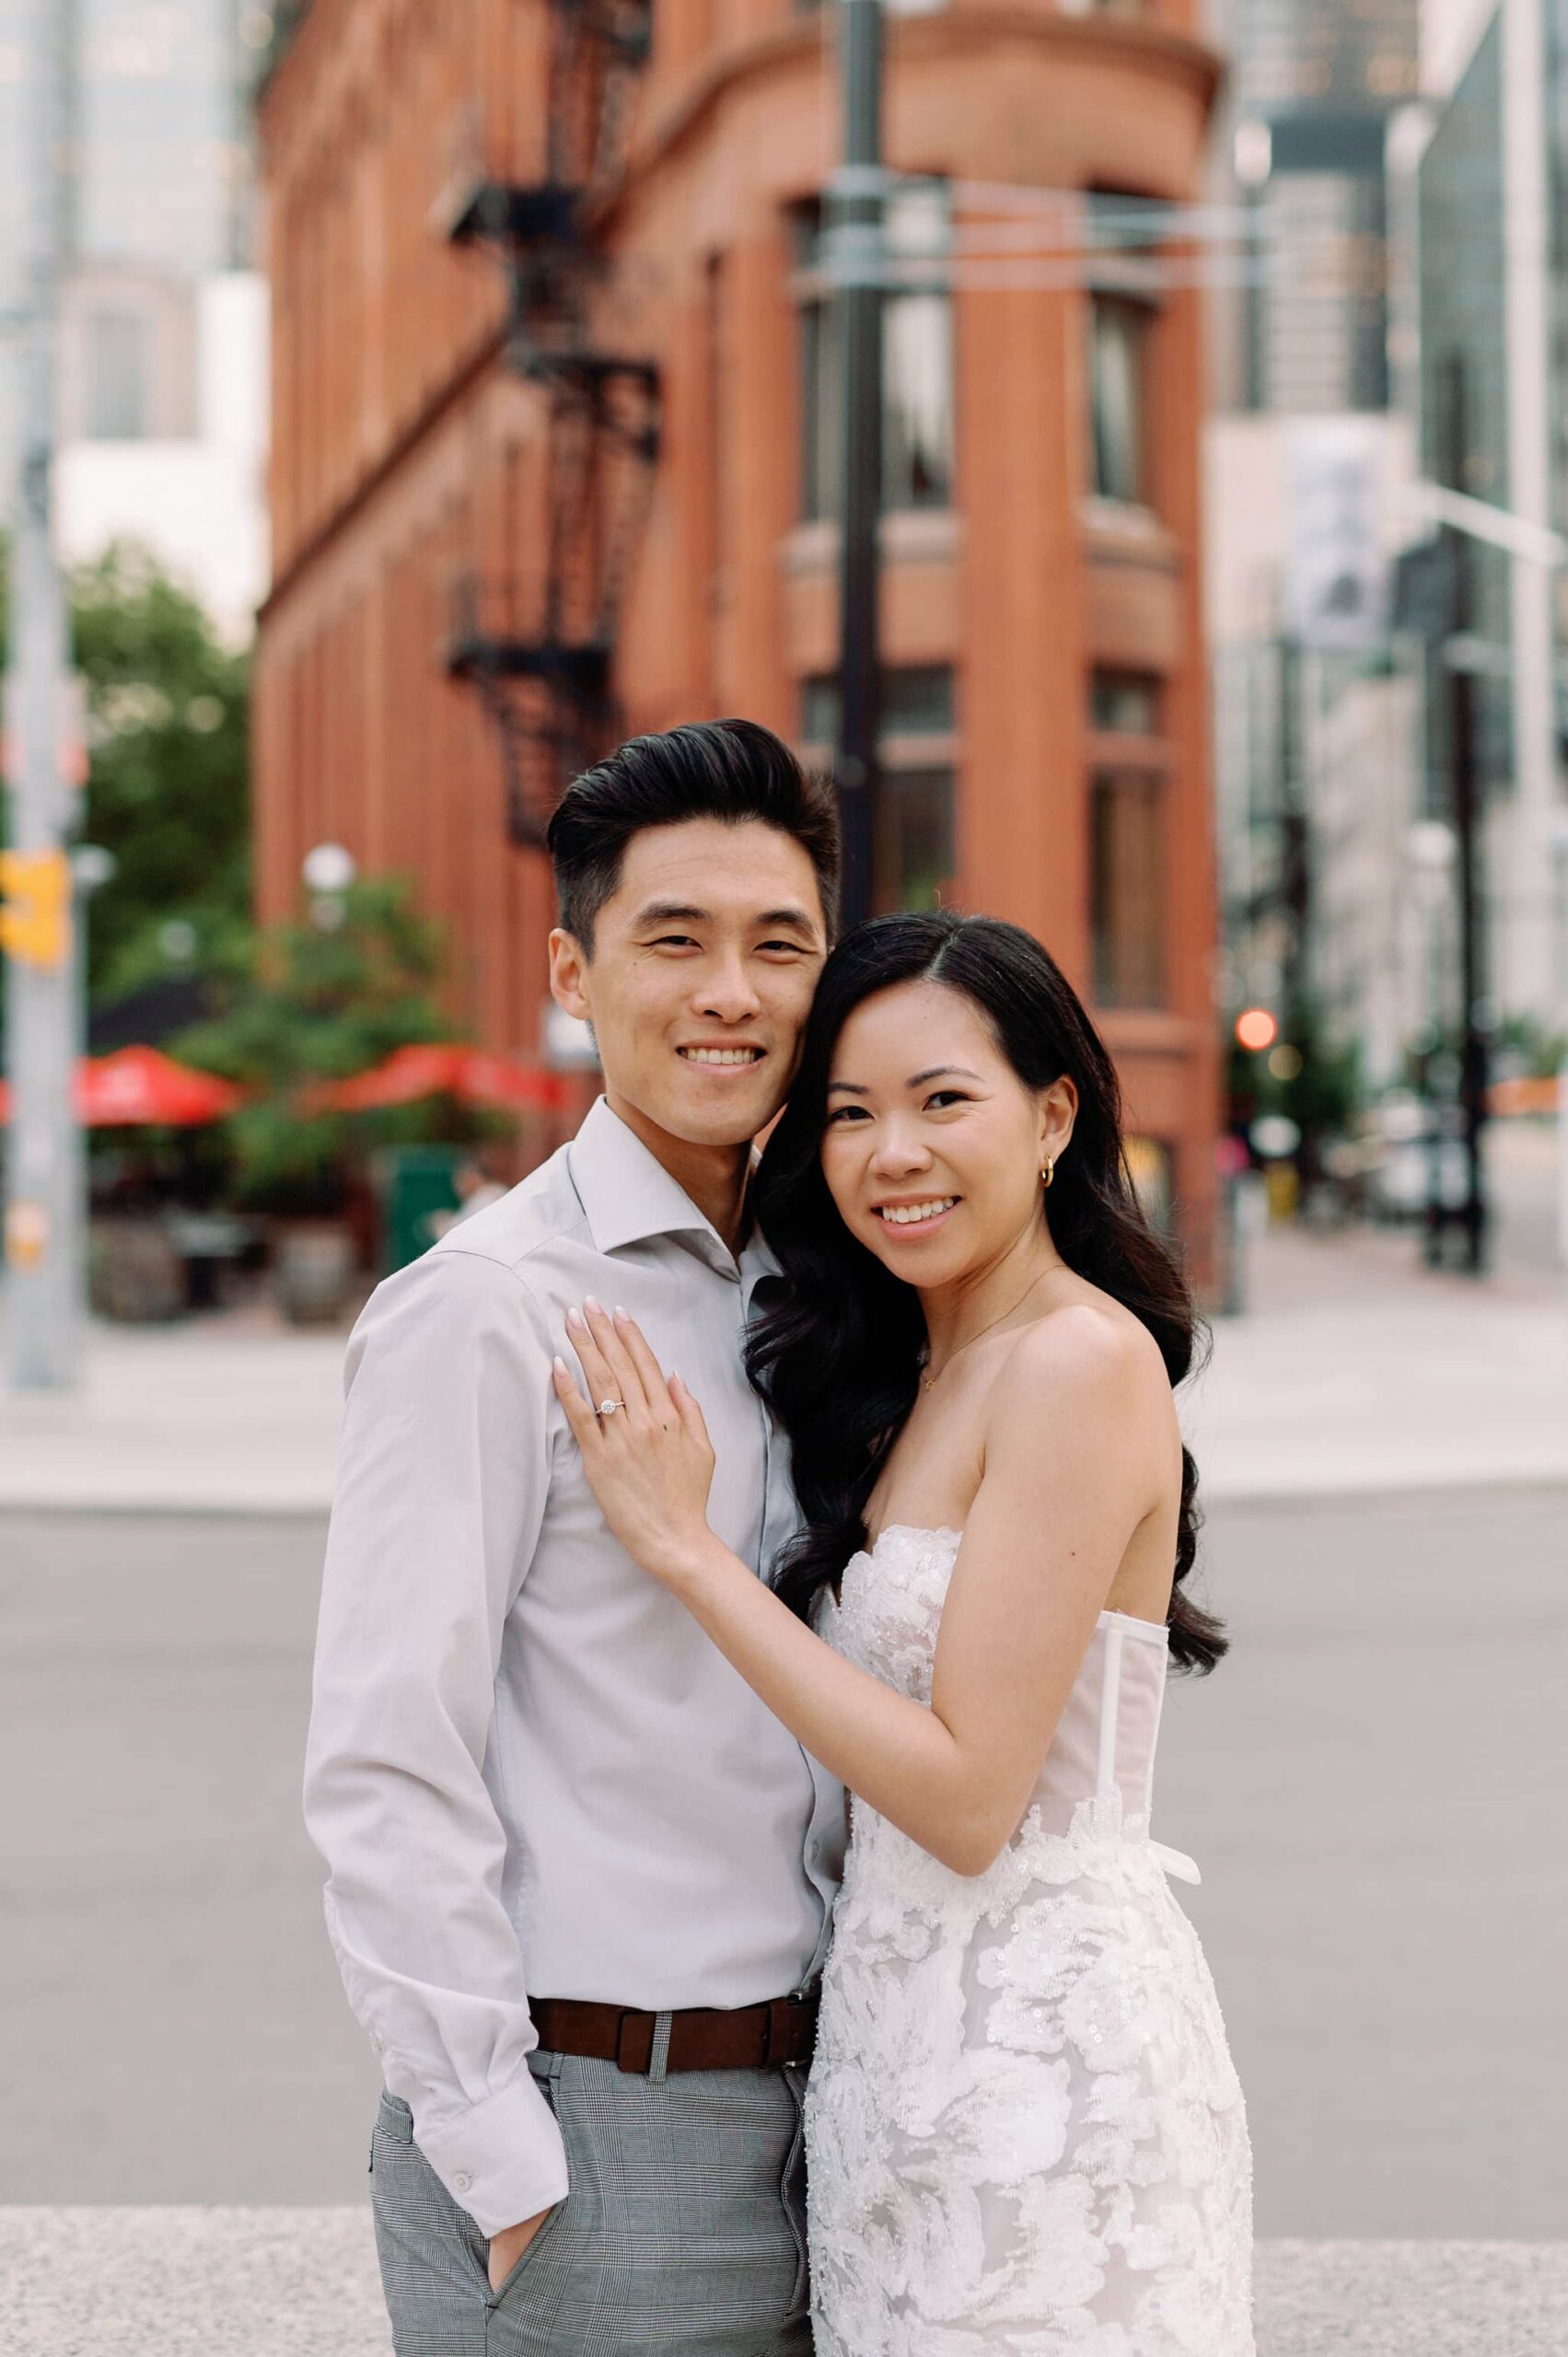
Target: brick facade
{"points": [[1053, 634]]}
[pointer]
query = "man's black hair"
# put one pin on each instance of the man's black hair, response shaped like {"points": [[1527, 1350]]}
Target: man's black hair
{"points": [[731, 770]]}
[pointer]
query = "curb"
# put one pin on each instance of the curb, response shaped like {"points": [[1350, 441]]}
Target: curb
{"points": [[181, 2281]]}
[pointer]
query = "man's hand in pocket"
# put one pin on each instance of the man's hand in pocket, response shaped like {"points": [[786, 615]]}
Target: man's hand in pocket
{"points": [[508, 2248]]}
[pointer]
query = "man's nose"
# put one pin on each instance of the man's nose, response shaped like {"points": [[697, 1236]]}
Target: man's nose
{"points": [[726, 994]]}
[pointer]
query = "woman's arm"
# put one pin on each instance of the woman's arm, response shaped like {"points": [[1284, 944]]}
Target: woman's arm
{"points": [[1071, 1459]]}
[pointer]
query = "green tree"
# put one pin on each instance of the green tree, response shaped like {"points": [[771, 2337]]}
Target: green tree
{"points": [[168, 790], [325, 995]]}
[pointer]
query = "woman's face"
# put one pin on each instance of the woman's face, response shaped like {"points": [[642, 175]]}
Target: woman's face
{"points": [[933, 1146]]}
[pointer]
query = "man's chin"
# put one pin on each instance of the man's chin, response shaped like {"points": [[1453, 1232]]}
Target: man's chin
{"points": [[723, 1125]]}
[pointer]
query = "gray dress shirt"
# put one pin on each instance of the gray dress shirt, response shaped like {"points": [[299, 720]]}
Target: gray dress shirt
{"points": [[528, 1770]]}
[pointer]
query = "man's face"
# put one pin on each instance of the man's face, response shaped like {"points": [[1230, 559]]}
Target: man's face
{"points": [[703, 964]]}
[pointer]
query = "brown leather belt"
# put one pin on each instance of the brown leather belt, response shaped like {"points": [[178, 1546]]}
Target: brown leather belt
{"points": [[701, 2037]]}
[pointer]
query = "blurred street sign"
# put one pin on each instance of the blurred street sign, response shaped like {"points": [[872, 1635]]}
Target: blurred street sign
{"points": [[1336, 587], [1426, 589], [35, 908], [70, 733]]}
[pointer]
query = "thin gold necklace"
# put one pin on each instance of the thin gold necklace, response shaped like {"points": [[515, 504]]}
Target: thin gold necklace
{"points": [[928, 1377]]}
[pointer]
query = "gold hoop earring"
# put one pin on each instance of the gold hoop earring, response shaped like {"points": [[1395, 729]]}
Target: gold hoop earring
{"points": [[1047, 1170]]}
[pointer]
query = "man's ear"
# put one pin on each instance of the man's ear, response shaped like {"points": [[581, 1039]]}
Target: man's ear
{"points": [[568, 970]]}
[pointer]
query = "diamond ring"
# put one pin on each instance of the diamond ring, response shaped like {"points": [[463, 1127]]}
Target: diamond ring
{"points": [[607, 1406]]}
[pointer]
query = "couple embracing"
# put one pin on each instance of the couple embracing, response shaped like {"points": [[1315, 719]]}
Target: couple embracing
{"points": [[693, 1517]]}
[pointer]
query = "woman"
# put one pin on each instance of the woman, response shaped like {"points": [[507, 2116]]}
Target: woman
{"points": [[1025, 2132]]}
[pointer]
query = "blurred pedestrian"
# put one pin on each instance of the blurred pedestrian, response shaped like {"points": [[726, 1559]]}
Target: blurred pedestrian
{"points": [[476, 1190]]}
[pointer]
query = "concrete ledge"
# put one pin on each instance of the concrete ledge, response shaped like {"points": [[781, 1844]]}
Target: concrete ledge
{"points": [[283, 2282]]}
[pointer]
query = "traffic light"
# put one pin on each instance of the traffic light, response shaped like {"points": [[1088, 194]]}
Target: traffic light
{"points": [[35, 907]]}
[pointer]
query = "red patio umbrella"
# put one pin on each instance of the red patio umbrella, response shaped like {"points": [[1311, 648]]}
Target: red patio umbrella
{"points": [[142, 1084], [443, 1068]]}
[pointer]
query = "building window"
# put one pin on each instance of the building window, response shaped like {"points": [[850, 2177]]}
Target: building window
{"points": [[1148, 1167], [116, 369], [917, 359], [914, 839], [1128, 766], [1118, 335], [1125, 704], [917, 701], [1127, 886], [914, 853]]}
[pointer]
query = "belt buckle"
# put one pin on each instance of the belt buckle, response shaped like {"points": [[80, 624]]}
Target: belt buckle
{"points": [[796, 1999], [642, 2023]]}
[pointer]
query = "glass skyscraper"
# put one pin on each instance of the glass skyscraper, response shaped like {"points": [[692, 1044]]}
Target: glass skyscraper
{"points": [[1313, 83]]}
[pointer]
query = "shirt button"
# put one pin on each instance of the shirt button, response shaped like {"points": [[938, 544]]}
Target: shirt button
{"points": [[462, 2182]]}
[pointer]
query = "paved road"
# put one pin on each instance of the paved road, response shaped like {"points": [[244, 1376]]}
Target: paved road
{"points": [[1373, 1785]]}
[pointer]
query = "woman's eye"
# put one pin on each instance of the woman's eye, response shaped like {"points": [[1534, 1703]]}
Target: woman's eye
{"points": [[845, 1112], [942, 1096]]}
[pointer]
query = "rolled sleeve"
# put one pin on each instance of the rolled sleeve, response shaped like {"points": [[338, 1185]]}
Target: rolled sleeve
{"points": [[441, 1491]]}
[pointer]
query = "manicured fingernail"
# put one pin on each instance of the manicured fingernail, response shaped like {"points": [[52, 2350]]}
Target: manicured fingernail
{"points": [[559, 1365], [589, 1303], [619, 1311], [575, 1317]]}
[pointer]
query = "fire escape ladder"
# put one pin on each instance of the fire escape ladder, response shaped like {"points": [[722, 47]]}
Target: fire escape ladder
{"points": [[540, 649]]}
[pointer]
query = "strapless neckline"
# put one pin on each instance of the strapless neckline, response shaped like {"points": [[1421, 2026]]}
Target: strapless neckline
{"points": [[945, 1530]]}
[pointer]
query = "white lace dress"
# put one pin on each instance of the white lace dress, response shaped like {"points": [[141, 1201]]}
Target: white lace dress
{"points": [[1023, 2130]]}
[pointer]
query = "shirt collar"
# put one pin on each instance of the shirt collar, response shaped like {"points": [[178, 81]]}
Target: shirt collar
{"points": [[629, 1196]]}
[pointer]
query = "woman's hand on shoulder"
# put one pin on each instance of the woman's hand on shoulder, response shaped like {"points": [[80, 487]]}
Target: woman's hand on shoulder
{"points": [[645, 1447]]}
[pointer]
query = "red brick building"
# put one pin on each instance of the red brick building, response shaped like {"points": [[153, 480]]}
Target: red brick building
{"points": [[555, 450]]}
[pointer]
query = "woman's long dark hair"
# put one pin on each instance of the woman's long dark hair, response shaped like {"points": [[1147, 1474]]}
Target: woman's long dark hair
{"points": [[838, 1358]]}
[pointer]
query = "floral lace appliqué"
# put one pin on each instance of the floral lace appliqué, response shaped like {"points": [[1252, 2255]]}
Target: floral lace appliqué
{"points": [[1024, 2133]]}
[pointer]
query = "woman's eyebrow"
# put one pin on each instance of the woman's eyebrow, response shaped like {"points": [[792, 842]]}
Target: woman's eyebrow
{"points": [[853, 1088], [936, 1072]]}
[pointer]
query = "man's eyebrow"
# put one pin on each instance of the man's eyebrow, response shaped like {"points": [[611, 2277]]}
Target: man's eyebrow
{"points": [[670, 912], [683, 912]]}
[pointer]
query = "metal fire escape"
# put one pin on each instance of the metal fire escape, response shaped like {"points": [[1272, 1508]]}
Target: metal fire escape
{"points": [[539, 647]]}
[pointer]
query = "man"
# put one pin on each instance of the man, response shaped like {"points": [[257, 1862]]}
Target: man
{"points": [[580, 1879]]}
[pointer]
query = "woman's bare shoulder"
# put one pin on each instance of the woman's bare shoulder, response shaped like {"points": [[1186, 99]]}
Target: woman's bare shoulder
{"points": [[1086, 1361]]}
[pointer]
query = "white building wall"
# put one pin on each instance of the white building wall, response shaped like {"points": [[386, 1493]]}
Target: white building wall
{"points": [[198, 504]]}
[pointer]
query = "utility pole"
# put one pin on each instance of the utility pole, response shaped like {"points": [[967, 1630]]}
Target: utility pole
{"points": [[1474, 1044], [1464, 790], [45, 1188], [856, 200]]}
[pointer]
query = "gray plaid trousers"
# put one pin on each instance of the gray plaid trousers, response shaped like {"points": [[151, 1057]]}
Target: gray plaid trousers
{"points": [[683, 2235]]}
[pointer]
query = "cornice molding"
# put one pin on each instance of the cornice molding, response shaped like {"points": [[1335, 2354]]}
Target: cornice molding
{"points": [[1143, 48]]}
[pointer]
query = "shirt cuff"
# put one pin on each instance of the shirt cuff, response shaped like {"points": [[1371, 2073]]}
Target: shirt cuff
{"points": [[503, 2160]]}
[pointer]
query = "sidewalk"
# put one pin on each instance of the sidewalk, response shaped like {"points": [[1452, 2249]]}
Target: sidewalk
{"points": [[228, 1415], [217, 2282], [1354, 1370], [1351, 1371]]}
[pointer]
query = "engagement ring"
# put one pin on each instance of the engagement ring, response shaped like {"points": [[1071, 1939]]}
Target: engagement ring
{"points": [[607, 1406]]}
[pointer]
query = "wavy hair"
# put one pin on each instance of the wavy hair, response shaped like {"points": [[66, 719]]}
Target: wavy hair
{"points": [[838, 1357]]}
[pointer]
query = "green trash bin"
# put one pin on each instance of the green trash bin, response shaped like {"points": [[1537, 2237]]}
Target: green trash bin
{"points": [[416, 1184]]}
